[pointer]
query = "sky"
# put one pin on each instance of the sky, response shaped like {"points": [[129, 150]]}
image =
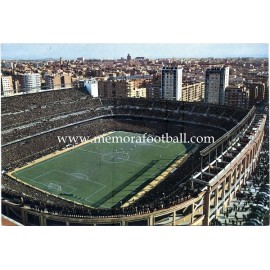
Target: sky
{"points": [[16, 51]]}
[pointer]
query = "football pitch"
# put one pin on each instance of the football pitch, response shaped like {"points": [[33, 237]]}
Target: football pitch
{"points": [[103, 175]]}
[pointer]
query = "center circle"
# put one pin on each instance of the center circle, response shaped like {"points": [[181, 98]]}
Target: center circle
{"points": [[115, 157]]}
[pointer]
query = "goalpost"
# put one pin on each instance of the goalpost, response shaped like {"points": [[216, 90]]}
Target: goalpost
{"points": [[55, 187]]}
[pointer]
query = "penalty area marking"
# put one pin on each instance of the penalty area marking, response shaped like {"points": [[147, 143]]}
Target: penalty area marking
{"points": [[82, 178], [46, 185]]}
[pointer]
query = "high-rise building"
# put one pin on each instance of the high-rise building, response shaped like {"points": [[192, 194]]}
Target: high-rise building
{"points": [[91, 86], [153, 89], [30, 82], [135, 89], [193, 92], [216, 80], [57, 81], [112, 88], [171, 83], [236, 96], [7, 86], [137, 93], [66, 81], [52, 82], [256, 91], [128, 57]]}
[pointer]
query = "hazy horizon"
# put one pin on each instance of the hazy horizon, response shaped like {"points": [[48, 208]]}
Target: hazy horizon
{"points": [[39, 51]]}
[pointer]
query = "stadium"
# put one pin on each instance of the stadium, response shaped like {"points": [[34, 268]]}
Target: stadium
{"points": [[48, 182]]}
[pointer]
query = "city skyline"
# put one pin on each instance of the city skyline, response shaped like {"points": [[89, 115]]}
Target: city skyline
{"points": [[37, 51]]}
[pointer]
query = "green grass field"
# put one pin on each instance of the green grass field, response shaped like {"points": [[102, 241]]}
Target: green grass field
{"points": [[102, 174]]}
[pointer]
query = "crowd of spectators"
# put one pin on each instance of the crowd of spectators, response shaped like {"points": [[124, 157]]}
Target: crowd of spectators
{"points": [[259, 200], [26, 115]]}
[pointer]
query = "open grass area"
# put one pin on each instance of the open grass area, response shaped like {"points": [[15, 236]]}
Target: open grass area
{"points": [[102, 174]]}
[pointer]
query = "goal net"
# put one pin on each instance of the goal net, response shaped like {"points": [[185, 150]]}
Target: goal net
{"points": [[54, 187]]}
